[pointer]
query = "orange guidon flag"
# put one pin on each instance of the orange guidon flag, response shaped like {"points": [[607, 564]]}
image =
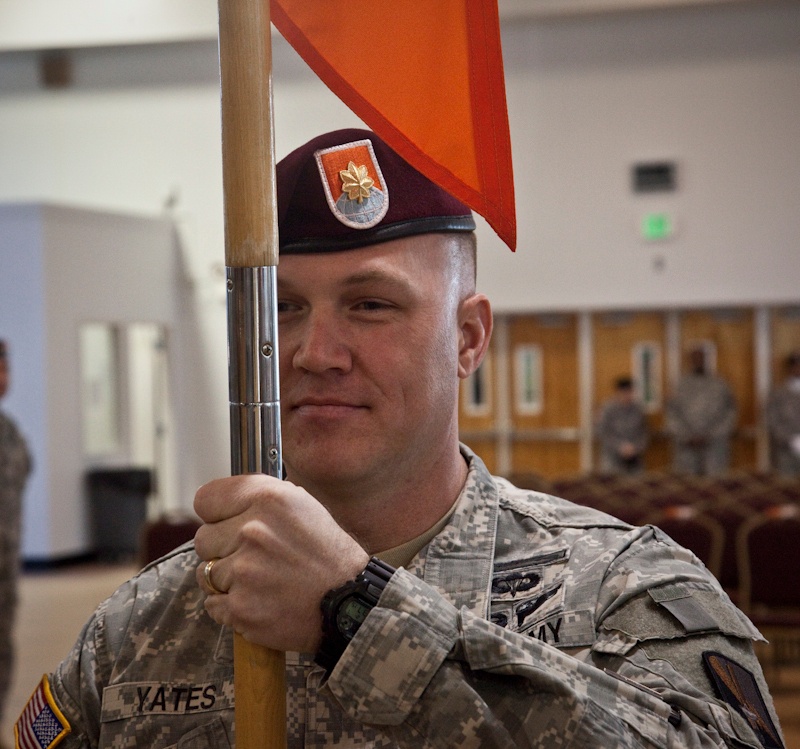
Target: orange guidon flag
{"points": [[426, 77]]}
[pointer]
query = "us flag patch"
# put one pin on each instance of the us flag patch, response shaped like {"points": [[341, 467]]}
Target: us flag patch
{"points": [[41, 725], [353, 183]]}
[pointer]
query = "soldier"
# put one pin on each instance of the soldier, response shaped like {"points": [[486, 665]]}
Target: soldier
{"points": [[783, 419], [15, 465], [701, 416], [421, 602], [622, 431]]}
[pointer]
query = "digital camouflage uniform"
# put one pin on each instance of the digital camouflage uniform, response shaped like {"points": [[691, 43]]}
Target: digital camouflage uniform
{"points": [[619, 423], [703, 406], [527, 621], [14, 469], [783, 422]]}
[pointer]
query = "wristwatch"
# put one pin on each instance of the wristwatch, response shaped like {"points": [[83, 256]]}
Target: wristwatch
{"points": [[344, 610]]}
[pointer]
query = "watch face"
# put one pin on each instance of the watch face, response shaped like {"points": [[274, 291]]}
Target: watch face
{"points": [[350, 615]]}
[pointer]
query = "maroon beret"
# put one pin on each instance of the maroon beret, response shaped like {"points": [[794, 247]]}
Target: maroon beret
{"points": [[347, 189]]}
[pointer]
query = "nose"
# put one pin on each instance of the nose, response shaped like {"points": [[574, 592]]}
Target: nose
{"points": [[321, 345]]}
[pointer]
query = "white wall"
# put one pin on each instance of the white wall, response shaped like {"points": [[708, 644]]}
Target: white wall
{"points": [[718, 91], [62, 267], [715, 88]]}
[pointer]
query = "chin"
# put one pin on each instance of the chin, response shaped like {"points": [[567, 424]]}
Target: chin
{"points": [[324, 463]]}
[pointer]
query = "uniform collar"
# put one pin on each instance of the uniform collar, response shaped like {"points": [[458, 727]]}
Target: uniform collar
{"points": [[459, 560]]}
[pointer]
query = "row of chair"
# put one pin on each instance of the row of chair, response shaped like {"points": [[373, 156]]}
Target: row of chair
{"points": [[727, 501], [745, 528]]}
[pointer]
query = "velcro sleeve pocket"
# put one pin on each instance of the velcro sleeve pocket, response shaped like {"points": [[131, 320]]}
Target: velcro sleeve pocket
{"points": [[672, 611]]}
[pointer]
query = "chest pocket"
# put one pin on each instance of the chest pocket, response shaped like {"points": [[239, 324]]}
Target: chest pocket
{"points": [[209, 736], [528, 597]]}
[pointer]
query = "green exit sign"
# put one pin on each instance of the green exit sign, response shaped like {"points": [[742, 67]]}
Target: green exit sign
{"points": [[657, 226]]}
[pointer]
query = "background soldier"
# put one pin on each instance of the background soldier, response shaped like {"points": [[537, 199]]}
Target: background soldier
{"points": [[15, 465], [701, 416], [783, 419], [622, 430]]}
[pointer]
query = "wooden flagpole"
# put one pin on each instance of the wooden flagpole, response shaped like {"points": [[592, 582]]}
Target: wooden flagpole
{"points": [[251, 250]]}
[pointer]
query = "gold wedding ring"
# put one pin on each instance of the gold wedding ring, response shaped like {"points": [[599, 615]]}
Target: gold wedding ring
{"points": [[207, 574]]}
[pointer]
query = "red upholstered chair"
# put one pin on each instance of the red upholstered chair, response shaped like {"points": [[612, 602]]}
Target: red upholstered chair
{"points": [[632, 511], [768, 546], [741, 484], [762, 499], [529, 480], [789, 489], [731, 516], [162, 536], [583, 490]]}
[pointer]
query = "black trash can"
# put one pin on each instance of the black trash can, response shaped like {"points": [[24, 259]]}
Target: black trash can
{"points": [[118, 508]]}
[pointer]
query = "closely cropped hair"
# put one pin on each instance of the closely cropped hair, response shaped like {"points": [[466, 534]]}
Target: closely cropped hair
{"points": [[465, 258]]}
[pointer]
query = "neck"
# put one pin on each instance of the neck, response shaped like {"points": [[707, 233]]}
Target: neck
{"points": [[393, 510]]}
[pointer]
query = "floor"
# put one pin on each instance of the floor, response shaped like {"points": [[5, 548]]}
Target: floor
{"points": [[54, 606]]}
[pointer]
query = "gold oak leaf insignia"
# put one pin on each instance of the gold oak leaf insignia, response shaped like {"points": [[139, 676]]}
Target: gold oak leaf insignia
{"points": [[356, 182]]}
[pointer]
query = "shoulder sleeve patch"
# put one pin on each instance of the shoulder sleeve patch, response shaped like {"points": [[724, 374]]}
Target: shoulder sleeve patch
{"points": [[41, 725], [738, 687]]}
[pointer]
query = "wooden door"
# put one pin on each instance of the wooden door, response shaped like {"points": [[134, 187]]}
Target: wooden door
{"points": [[730, 332], [785, 339], [633, 344], [543, 394]]}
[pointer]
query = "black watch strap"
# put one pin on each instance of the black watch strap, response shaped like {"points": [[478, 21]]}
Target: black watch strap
{"points": [[360, 595], [376, 575]]}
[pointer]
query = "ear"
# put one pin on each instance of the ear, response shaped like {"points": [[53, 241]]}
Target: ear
{"points": [[474, 330]]}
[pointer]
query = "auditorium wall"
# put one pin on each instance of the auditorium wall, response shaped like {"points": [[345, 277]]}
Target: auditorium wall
{"points": [[714, 90]]}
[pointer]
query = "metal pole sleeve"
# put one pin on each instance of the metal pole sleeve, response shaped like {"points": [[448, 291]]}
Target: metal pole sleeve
{"points": [[254, 389]]}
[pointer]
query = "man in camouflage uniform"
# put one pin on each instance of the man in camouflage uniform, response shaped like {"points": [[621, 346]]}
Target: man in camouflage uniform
{"points": [[621, 429], [14, 469], [701, 417], [513, 618], [783, 419]]}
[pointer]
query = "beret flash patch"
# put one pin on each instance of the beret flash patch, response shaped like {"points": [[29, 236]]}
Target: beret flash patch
{"points": [[353, 183], [41, 725]]}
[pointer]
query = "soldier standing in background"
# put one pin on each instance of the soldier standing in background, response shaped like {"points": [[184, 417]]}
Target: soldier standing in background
{"points": [[622, 431], [783, 419], [701, 417], [15, 465]]}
